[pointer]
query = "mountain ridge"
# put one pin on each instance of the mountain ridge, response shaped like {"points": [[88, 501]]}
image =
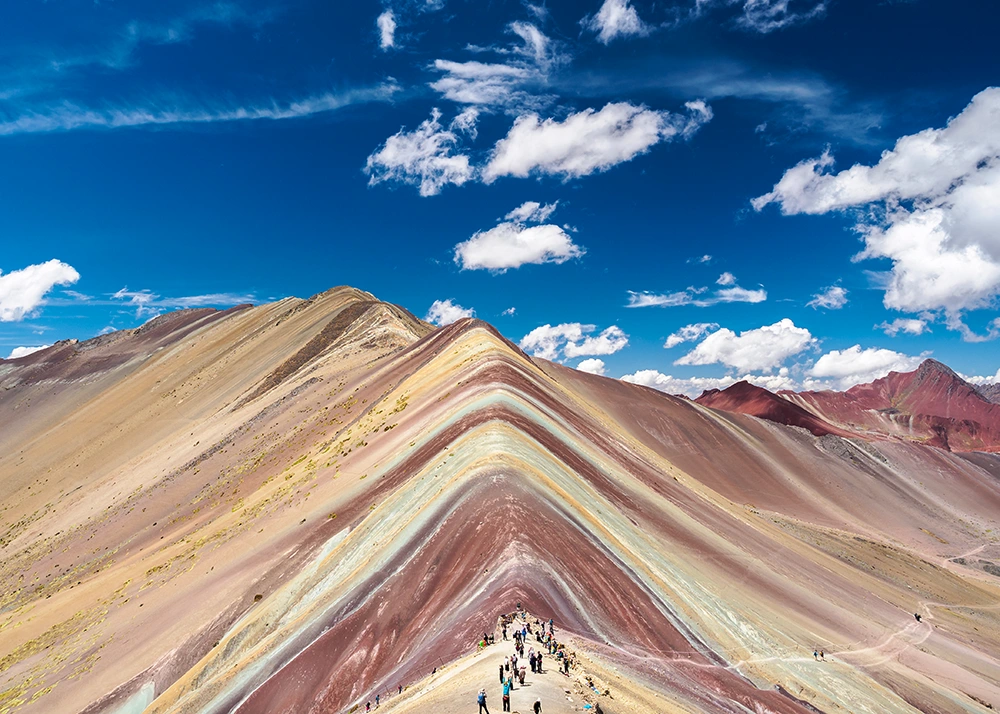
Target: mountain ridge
{"points": [[176, 539]]}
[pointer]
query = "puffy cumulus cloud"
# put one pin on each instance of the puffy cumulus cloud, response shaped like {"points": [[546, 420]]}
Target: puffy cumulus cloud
{"points": [[514, 243], [588, 141], [688, 386], [694, 386], [422, 158], [857, 366], [386, 24], [760, 349], [979, 381], [572, 339], [911, 326], [616, 18], [698, 297], [592, 365], [445, 312], [772, 382], [23, 291], [933, 205], [832, 298], [25, 351], [511, 245], [689, 333]]}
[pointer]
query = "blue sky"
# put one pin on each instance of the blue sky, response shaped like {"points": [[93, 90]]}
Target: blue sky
{"points": [[624, 175]]}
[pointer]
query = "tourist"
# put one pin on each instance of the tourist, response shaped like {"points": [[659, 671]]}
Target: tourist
{"points": [[501, 674], [506, 696], [481, 700], [538, 706]]}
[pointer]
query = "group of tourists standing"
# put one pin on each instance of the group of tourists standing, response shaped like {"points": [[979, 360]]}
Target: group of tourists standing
{"points": [[512, 671]]}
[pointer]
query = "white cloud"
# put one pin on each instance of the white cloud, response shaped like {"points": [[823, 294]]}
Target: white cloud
{"points": [[616, 18], [832, 298], [509, 311], [532, 211], [465, 121], [18, 352], [386, 23], [445, 312], [689, 333], [980, 381], [149, 304], [421, 158], [478, 82], [761, 349], [772, 382], [911, 326], [768, 15], [588, 141], [592, 365], [69, 116], [505, 85], [572, 339], [934, 211], [688, 386], [23, 291], [856, 366], [690, 296], [514, 243], [694, 386], [726, 278]]}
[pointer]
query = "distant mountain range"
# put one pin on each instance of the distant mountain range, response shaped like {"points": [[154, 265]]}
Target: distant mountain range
{"points": [[931, 405]]}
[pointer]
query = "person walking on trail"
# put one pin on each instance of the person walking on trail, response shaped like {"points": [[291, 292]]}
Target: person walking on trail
{"points": [[501, 674], [816, 655], [506, 696], [481, 700], [538, 663], [400, 689], [917, 615], [378, 697], [522, 676], [822, 656], [538, 706]]}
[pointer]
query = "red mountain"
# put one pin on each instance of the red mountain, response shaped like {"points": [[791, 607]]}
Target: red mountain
{"points": [[746, 398], [931, 405]]}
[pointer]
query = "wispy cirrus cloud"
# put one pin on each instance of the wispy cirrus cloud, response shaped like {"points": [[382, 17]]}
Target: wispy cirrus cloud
{"points": [[69, 116], [699, 297], [516, 84], [149, 304]]}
